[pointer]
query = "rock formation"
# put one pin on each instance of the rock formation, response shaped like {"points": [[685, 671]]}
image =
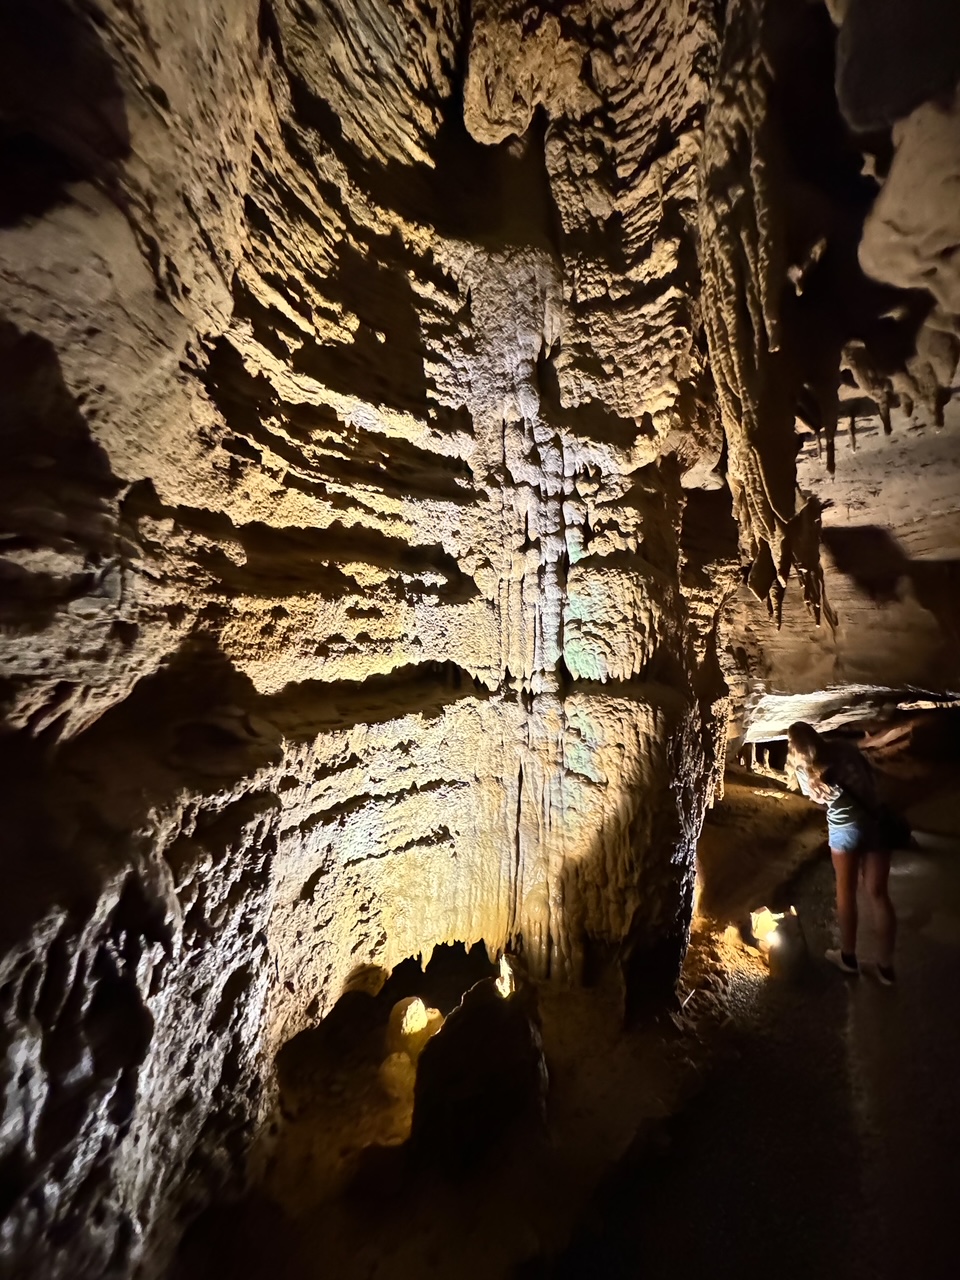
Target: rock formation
{"points": [[365, 521], [891, 528]]}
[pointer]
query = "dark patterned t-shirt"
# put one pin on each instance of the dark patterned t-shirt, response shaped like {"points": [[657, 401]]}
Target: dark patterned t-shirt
{"points": [[849, 770], [851, 790]]}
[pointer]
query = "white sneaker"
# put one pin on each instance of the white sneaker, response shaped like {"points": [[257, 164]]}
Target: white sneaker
{"points": [[835, 956]]}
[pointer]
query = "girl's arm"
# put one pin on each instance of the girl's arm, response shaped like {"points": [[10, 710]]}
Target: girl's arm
{"points": [[826, 786]]}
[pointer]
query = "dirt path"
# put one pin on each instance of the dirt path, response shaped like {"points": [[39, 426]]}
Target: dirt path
{"points": [[827, 1146], [823, 1145]]}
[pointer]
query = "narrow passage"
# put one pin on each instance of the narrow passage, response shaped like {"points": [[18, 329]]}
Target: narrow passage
{"points": [[825, 1145]]}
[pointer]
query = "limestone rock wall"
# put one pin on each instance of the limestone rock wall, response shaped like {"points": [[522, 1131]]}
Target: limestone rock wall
{"points": [[849, 412], [353, 391], [891, 546], [828, 255]]}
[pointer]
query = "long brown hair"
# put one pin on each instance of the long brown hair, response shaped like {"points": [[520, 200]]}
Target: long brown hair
{"points": [[809, 749], [805, 741]]}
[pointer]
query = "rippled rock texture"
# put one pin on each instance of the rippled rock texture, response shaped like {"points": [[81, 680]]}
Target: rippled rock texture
{"points": [[353, 387], [371, 376]]}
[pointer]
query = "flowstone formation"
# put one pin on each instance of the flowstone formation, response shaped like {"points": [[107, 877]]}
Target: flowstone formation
{"points": [[799, 255], [372, 375], [353, 392]]}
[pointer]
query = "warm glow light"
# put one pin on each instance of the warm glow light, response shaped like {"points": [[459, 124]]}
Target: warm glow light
{"points": [[505, 983], [764, 924], [398, 1076]]}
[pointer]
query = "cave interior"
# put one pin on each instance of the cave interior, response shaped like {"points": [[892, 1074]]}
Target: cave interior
{"points": [[446, 443]]}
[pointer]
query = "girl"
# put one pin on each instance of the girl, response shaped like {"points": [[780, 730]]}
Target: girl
{"points": [[835, 774]]}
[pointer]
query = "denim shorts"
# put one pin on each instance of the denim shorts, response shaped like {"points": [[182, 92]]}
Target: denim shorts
{"points": [[850, 837]]}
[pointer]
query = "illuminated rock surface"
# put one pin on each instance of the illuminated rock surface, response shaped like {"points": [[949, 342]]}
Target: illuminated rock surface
{"points": [[365, 532]]}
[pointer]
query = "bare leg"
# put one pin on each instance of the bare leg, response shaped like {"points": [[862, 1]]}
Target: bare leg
{"points": [[845, 867], [876, 876]]}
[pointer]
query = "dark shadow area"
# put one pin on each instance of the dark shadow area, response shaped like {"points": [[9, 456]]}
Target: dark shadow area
{"points": [[761, 1169], [386, 355], [198, 723], [179, 726], [591, 419], [876, 562], [764, 756], [62, 113], [57, 524], [824, 1142], [353, 1033], [497, 196], [252, 1239], [451, 970], [936, 584], [302, 710], [35, 175], [871, 556], [326, 449], [376, 1130], [89, 888], [488, 194], [363, 1195], [829, 305], [708, 531], [301, 561], [893, 55]]}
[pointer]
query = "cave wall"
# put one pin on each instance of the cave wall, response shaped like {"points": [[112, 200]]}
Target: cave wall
{"points": [[359, 560], [872, 411], [890, 548]]}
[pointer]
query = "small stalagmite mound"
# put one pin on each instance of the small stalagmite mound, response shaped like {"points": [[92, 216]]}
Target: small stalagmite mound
{"points": [[410, 1026]]}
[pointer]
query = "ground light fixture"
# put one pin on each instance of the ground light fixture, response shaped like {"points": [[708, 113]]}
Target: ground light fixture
{"points": [[764, 925]]}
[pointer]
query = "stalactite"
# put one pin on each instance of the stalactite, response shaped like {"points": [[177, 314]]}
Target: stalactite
{"points": [[744, 263]]}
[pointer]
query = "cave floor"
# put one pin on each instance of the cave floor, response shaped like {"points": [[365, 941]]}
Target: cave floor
{"points": [[798, 1121], [824, 1144]]}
